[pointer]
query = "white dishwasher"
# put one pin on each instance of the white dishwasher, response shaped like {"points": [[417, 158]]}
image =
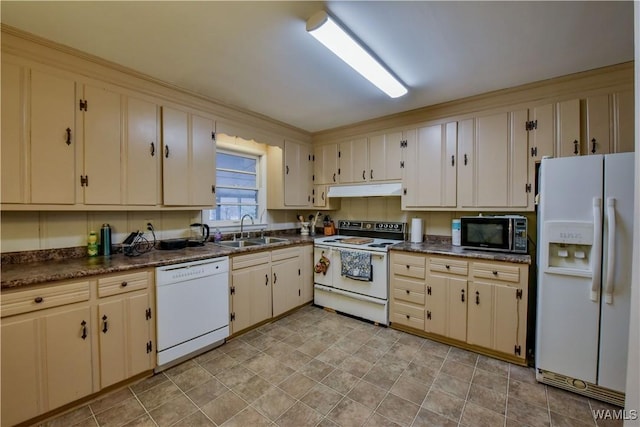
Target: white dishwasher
{"points": [[193, 308]]}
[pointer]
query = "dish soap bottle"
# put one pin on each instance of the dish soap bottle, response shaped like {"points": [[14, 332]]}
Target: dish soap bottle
{"points": [[92, 244], [217, 235]]}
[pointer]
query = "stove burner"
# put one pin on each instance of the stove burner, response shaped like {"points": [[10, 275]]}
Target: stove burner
{"points": [[332, 240], [380, 245]]}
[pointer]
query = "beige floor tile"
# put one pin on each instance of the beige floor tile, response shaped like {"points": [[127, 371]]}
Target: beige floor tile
{"points": [[524, 374], [158, 395], [253, 388], [558, 420], [341, 381], [526, 413], [370, 354], [182, 367], [451, 385], [206, 392], [121, 413], [381, 377], [273, 403], [87, 422], [332, 356], [444, 404], [377, 420], [492, 365], [297, 385], [263, 342], [403, 351], [148, 383], [426, 418], [367, 394], [316, 369], [248, 417], [459, 370], [430, 360], [192, 378], [462, 356], [398, 410], [435, 348], [170, 412], [535, 394], [313, 347], [491, 381], [349, 413], [218, 364], [487, 398], [355, 366], [474, 415], [70, 418], [234, 376], [224, 407], [410, 390], [299, 415], [567, 405], [142, 421], [259, 362], [420, 373], [197, 419], [276, 374], [103, 403], [321, 398]]}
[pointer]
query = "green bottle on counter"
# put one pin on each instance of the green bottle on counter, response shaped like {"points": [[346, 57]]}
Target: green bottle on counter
{"points": [[92, 245]]}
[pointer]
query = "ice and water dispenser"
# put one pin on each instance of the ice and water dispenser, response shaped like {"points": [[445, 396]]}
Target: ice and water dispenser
{"points": [[569, 247]]}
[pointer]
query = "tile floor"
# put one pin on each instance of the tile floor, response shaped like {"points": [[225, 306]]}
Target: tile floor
{"points": [[316, 368]]}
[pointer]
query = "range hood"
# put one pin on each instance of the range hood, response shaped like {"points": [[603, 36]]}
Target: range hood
{"points": [[366, 190]]}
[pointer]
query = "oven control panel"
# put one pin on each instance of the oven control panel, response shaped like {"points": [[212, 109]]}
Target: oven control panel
{"points": [[390, 227]]}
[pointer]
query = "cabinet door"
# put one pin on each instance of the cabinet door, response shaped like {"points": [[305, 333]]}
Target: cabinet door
{"points": [[307, 274], [598, 124], [428, 166], [297, 180], [325, 168], [53, 139], [449, 173], [241, 298], [261, 306], [466, 154], [353, 158], [139, 333], [492, 160], [518, 160], [384, 157], [67, 353], [509, 321], [21, 373], [175, 157], [102, 140], [457, 309], [435, 320], [479, 314], [113, 351], [541, 138], [569, 128], [13, 134], [143, 153], [624, 125], [202, 172], [285, 287]]}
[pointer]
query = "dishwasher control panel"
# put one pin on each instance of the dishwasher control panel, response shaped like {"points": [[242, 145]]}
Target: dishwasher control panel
{"points": [[191, 270]]}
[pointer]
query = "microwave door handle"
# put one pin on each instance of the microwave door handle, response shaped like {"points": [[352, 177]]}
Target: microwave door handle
{"points": [[611, 249], [511, 221], [596, 265]]}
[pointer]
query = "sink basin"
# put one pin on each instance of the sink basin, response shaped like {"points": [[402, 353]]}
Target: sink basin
{"points": [[237, 243], [266, 240]]}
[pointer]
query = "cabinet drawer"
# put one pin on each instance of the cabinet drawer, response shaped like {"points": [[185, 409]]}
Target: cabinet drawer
{"points": [[407, 314], [46, 297], [249, 260], [452, 266], [122, 283], [408, 265], [408, 296], [281, 254], [407, 290], [507, 273]]}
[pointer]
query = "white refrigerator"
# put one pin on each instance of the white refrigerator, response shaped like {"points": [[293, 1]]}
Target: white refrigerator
{"points": [[585, 242]]}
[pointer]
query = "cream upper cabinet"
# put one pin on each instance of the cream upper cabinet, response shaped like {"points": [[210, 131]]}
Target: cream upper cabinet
{"points": [[353, 161], [598, 127], [143, 153], [429, 164], [385, 155], [188, 159], [623, 121], [541, 132], [202, 168], [13, 134], [320, 199], [102, 117], [297, 174], [175, 156], [52, 158], [493, 161], [325, 166], [568, 116]]}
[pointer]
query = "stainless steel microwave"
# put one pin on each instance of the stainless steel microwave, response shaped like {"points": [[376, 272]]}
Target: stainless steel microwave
{"points": [[504, 233]]}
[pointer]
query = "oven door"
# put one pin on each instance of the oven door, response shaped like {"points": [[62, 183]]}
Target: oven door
{"points": [[375, 287]]}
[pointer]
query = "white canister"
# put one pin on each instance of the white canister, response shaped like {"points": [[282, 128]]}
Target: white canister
{"points": [[455, 232]]}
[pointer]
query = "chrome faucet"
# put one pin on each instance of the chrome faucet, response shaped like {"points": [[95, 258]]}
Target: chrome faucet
{"points": [[242, 223]]}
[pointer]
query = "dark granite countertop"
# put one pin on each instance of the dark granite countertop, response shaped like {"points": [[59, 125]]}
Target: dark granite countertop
{"points": [[32, 273], [445, 248]]}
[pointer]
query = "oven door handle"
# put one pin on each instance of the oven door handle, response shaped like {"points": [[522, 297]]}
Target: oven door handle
{"points": [[350, 295]]}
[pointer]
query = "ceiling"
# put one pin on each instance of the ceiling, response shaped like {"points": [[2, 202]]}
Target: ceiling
{"points": [[257, 55]]}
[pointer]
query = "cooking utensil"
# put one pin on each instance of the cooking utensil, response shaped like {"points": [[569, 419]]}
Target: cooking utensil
{"points": [[172, 244], [199, 235]]}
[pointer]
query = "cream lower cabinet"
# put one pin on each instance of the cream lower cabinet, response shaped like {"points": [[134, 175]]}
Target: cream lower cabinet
{"points": [[286, 270], [56, 348], [307, 273], [481, 305], [250, 290]]}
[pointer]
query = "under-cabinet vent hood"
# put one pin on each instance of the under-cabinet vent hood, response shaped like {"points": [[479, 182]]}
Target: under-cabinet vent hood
{"points": [[366, 190]]}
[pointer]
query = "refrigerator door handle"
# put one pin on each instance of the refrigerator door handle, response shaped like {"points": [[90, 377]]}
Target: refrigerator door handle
{"points": [[611, 249], [596, 256]]}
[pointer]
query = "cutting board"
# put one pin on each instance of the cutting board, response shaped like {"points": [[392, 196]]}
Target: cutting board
{"points": [[357, 240]]}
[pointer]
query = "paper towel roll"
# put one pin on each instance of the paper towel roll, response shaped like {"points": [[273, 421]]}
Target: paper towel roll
{"points": [[416, 230]]}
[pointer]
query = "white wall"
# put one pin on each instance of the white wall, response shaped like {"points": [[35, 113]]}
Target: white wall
{"points": [[633, 364]]}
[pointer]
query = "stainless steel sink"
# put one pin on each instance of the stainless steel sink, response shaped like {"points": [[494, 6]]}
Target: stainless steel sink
{"points": [[266, 240], [237, 243]]}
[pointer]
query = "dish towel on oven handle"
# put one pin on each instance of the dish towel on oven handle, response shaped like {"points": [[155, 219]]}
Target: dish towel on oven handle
{"points": [[356, 265]]}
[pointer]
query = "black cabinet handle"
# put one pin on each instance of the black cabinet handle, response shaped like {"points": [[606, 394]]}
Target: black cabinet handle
{"points": [[462, 295], [334, 177], [575, 146], [166, 151], [371, 174], [408, 317], [275, 278], [266, 279], [84, 330], [363, 175], [287, 168], [408, 292], [407, 266], [447, 267], [477, 298], [495, 273], [453, 160], [38, 300], [153, 149], [124, 284], [105, 326], [323, 195], [465, 160], [593, 148], [68, 136]]}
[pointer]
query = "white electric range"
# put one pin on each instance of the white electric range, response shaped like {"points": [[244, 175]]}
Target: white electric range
{"points": [[351, 274]]}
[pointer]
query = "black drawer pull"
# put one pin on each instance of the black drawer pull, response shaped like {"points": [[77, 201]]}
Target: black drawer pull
{"points": [[124, 284], [105, 326], [68, 136], [462, 295], [408, 292], [447, 267], [84, 330], [477, 298], [38, 300], [495, 273]]}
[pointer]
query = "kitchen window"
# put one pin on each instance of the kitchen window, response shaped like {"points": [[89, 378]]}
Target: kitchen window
{"points": [[237, 187]]}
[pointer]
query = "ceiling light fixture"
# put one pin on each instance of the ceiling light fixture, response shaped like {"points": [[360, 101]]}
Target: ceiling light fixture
{"points": [[329, 33]]}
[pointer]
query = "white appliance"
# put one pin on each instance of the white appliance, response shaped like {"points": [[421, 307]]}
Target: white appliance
{"points": [[193, 308], [585, 233], [367, 299]]}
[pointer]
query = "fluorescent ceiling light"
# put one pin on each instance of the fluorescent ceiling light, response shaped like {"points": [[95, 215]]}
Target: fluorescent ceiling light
{"points": [[329, 33]]}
